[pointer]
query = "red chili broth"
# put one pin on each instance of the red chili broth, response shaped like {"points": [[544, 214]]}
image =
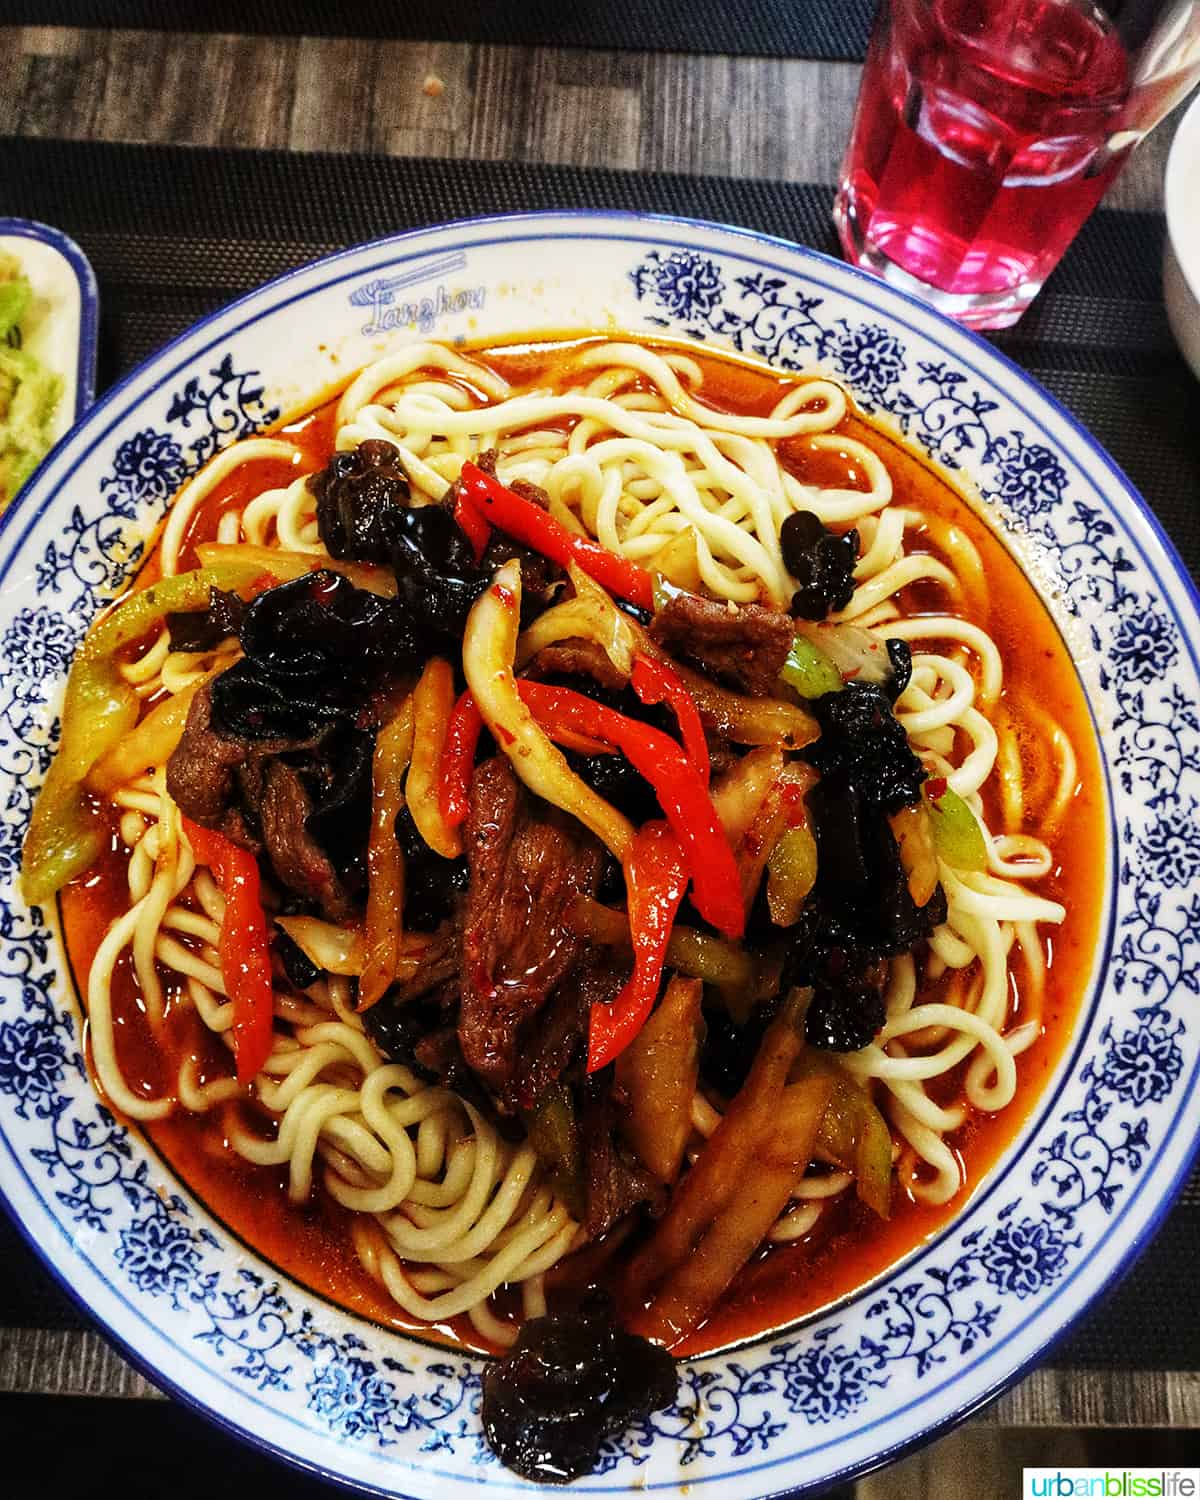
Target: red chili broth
{"points": [[849, 1247]]}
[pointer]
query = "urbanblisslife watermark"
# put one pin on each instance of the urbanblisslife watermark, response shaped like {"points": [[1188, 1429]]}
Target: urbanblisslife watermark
{"points": [[1111, 1484]]}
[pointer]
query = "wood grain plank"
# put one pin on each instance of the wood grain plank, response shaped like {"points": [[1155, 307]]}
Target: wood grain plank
{"points": [[256, 109], [51, 79], [408, 120], [590, 114], [748, 117], [134, 72], [78, 68], [504, 85], [587, 124], [994, 1457], [49, 41], [59, 1362], [333, 96], [1101, 1398], [15, 87]]}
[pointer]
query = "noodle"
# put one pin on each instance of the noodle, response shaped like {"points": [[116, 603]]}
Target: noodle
{"points": [[444, 1211]]}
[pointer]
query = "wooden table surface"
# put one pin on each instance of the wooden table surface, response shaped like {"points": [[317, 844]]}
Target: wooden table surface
{"points": [[744, 117], [740, 117]]}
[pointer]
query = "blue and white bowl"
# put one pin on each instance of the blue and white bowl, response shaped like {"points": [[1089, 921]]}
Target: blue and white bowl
{"points": [[1068, 1206]]}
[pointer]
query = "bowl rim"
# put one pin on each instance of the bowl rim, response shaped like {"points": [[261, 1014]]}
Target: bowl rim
{"points": [[1165, 1197], [1180, 193]]}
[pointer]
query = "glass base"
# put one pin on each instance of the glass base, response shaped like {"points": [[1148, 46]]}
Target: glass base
{"points": [[978, 310]]}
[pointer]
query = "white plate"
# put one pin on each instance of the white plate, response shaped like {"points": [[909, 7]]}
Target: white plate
{"points": [[60, 328], [1111, 1135]]}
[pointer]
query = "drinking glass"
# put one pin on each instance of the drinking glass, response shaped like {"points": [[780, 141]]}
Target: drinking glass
{"points": [[986, 131]]}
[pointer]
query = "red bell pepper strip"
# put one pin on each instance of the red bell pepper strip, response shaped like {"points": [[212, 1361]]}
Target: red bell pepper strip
{"points": [[656, 877], [474, 524], [716, 887], [242, 948], [658, 682], [530, 525], [458, 759]]}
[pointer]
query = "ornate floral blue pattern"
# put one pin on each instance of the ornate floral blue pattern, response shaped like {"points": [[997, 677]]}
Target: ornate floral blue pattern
{"points": [[927, 1318]]}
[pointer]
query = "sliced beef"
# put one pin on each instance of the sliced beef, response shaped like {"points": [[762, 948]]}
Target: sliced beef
{"points": [[270, 795], [576, 658], [437, 978], [527, 863], [556, 1038], [745, 647], [406, 1017], [284, 808], [202, 771], [616, 1183], [418, 1031], [722, 755], [485, 461], [439, 1056]]}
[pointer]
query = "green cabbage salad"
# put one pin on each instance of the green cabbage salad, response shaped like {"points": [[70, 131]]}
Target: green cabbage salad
{"points": [[28, 391]]}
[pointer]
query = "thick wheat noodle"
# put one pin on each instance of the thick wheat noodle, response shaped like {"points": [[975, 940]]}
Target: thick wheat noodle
{"points": [[196, 490], [896, 576], [881, 541], [1068, 769], [962, 555], [142, 672], [286, 517], [929, 1150]]}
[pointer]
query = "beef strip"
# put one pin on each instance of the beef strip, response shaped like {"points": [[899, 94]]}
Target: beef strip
{"points": [[527, 863], [576, 657], [616, 1184], [296, 857], [745, 647], [722, 755], [556, 1038], [202, 771], [440, 1054], [246, 791], [539, 575]]}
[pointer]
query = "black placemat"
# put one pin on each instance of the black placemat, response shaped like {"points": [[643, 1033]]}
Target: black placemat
{"points": [[744, 28], [186, 230]]}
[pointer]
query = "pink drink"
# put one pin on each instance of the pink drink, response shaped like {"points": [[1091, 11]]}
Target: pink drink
{"points": [[982, 140]]}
